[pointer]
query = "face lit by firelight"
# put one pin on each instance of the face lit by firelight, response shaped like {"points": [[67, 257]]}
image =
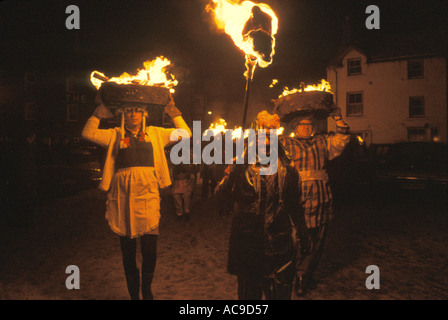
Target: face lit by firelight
{"points": [[304, 129], [133, 118]]}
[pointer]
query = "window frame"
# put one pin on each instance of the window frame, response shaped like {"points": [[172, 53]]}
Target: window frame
{"points": [[423, 133], [349, 105], [411, 69], [350, 68], [412, 105]]}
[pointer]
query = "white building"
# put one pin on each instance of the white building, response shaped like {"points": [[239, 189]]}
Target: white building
{"points": [[387, 99]]}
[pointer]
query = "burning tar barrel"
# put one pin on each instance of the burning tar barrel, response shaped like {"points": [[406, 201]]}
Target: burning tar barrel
{"points": [[152, 98], [318, 103], [119, 95]]}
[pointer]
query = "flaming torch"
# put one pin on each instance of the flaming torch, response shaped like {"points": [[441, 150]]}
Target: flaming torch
{"points": [[252, 28]]}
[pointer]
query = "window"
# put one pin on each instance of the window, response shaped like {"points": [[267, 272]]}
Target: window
{"points": [[355, 105], [417, 134], [72, 112], [353, 66], [416, 106], [415, 69]]}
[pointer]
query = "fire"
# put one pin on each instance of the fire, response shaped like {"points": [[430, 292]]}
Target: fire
{"points": [[220, 126], [237, 133], [273, 83], [323, 86], [241, 21], [153, 74]]}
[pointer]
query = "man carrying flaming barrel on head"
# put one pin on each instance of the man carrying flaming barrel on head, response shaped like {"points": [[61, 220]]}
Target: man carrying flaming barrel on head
{"points": [[310, 154]]}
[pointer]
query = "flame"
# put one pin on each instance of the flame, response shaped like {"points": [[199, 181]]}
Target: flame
{"points": [[238, 132], [232, 15], [220, 126], [153, 74], [273, 83], [323, 86]]}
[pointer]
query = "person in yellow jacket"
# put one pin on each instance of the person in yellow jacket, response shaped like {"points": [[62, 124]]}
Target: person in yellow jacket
{"points": [[134, 170]]}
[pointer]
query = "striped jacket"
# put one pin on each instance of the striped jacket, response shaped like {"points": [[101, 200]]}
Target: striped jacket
{"points": [[310, 157]]}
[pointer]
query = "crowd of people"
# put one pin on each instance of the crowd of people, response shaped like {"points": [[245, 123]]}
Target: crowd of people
{"points": [[279, 219]]}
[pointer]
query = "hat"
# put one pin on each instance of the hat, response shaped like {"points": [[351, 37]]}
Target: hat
{"points": [[140, 107]]}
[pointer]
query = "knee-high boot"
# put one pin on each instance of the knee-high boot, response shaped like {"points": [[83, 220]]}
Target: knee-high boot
{"points": [[146, 285], [133, 282]]}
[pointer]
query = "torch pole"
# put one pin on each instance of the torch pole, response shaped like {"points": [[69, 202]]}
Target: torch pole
{"points": [[250, 69]]}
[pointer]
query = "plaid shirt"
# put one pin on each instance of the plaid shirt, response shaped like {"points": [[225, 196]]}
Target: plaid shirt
{"points": [[310, 157]]}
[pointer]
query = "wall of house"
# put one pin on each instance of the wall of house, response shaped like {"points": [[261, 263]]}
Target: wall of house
{"points": [[387, 89]]}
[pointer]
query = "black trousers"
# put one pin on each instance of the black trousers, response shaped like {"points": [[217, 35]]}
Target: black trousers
{"points": [[148, 246], [311, 255]]}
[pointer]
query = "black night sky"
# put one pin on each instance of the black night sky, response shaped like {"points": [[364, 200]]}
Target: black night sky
{"points": [[117, 36]]}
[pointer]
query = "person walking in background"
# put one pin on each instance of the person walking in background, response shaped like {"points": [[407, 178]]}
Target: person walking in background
{"points": [[134, 170], [184, 182], [310, 154]]}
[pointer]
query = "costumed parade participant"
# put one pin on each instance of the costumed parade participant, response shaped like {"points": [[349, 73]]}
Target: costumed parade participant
{"points": [[310, 153], [265, 217], [134, 170]]}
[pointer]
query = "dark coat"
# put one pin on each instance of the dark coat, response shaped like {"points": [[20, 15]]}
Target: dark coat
{"points": [[262, 246]]}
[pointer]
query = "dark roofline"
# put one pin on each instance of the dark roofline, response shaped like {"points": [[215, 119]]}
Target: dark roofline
{"points": [[337, 61], [408, 57]]}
